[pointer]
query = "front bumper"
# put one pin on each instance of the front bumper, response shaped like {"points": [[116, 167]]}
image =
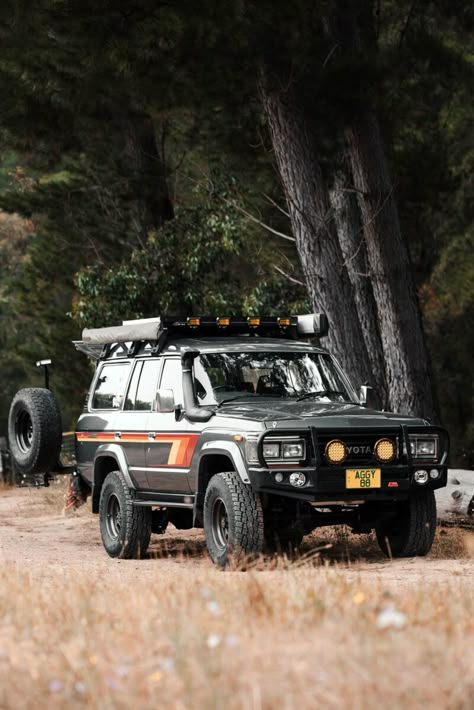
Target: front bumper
{"points": [[326, 483]]}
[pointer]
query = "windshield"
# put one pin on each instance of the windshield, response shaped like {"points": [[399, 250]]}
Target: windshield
{"points": [[220, 377]]}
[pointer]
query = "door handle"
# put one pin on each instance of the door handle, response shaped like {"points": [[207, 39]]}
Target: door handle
{"points": [[118, 435], [151, 435]]}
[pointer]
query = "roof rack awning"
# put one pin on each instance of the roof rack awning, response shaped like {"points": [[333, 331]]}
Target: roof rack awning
{"points": [[145, 330]]}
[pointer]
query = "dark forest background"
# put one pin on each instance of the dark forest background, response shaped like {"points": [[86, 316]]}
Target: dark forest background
{"points": [[248, 158]]}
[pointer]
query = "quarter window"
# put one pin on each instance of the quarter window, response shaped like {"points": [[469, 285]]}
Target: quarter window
{"points": [[110, 386], [142, 389], [147, 386]]}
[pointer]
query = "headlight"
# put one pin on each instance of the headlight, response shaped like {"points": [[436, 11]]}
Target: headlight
{"points": [[293, 450], [271, 451], [424, 447]]}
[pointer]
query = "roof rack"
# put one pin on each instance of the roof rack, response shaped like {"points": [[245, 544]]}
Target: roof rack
{"points": [[96, 342]]}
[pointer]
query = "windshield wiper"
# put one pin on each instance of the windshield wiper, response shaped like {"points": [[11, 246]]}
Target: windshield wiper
{"points": [[238, 396], [320, 393]]}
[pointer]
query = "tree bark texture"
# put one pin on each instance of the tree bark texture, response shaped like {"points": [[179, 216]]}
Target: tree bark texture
{"points": [[147, 172], [407, 363], [346, 215], [326, 277], [406, 357]]}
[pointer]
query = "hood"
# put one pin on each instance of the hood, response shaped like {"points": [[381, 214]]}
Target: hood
{"points": [[288, 414]]}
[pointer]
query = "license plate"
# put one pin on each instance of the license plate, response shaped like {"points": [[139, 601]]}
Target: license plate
{"points": [[363, 478]]}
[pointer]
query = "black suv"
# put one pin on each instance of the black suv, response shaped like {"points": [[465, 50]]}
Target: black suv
{"points": [[238, 426]]}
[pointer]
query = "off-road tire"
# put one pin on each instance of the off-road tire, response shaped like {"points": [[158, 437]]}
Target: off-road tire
{"points": [[411, 532], [228, 498], [34, 431], [125, 528]]}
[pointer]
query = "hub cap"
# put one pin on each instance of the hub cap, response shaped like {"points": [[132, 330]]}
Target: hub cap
{"points": [[24, 431], [220, 524], [113, 519]]}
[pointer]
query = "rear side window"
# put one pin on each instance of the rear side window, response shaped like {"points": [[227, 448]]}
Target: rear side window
{"points": [[143, 385], [110, 386]]}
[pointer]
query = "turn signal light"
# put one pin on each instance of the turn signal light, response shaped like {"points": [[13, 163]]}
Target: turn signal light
{"points": [[194, 322], [253, 321], [223, 322], [284, 321], [336, 451]]}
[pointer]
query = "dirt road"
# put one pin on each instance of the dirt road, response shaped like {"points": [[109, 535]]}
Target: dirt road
{"points": [[38, 538]]}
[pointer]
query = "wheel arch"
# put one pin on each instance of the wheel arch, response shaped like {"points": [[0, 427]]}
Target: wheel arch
{"points": [[107, 459], [216, 458]]}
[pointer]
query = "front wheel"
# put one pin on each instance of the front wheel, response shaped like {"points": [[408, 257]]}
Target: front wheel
{"points": [[233, 518], [124, 527], [410, 532]]}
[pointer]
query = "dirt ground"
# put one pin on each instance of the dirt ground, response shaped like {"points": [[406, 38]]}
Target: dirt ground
{"points": [[39, 539]]}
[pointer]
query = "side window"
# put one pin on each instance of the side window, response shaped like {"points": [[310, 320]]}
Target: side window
{"points": [[147, 385], [133, 386], [172, 379], [110, 386]]}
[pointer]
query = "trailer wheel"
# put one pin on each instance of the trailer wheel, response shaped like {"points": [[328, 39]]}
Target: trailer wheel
{"points": [[34, 431]]}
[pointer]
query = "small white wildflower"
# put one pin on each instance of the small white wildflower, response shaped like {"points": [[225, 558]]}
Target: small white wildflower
{"points": [[80, 687], [206, 593], [167, 664], [213, 640], [55, 685], [391, 618], [232, 640], [213, 607]]}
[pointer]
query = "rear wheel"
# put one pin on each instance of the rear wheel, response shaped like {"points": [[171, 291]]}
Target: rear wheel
{"points": [[410, 532], [124, 527], [233, 518]]}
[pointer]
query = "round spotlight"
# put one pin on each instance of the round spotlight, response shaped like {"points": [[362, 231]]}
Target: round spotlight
{"points": [[420, 476], [279, 477], [385, 450], [335, 451], [297, 479], [434, 473]]}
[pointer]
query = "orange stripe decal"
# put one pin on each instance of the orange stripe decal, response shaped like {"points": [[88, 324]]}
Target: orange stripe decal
{"points": [[181, 450]]}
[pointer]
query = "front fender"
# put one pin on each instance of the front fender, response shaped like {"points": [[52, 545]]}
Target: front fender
{"points": [[229, 449]]}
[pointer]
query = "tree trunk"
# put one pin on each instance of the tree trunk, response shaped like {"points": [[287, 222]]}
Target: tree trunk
{"points": [[326, 277], [347, 220], [406, 358], [147, 171]]}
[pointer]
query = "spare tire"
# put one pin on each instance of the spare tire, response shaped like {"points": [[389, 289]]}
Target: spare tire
{"points": [[34, 431]]}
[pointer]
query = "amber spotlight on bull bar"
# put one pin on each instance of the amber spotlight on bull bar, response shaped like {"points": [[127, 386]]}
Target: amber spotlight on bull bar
{"points": [[385, 450], [336, 451]]}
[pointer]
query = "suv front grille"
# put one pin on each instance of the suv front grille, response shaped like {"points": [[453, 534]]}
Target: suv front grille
{"points": [[360, 447]]}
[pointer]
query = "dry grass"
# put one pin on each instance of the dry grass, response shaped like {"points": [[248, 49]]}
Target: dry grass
{"points": [[305, 638], [300, 633]]}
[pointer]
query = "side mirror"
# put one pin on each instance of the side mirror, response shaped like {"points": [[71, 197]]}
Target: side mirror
{"points": [[164, 401], [365, 395]]}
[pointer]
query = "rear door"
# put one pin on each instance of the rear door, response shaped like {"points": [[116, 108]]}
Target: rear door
{"points": [[171, 444], [133, 429]]}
